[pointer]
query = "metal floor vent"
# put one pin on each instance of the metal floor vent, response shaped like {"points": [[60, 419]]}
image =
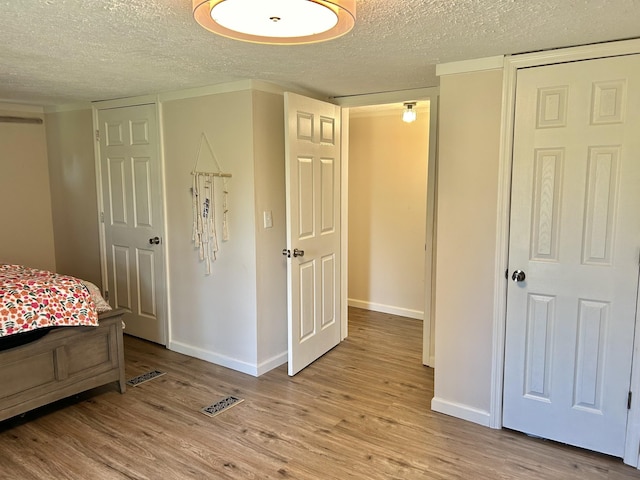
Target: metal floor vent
{"points": [[145, 377], [221, 405]]}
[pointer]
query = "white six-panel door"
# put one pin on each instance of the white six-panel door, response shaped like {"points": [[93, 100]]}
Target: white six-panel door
{"points": [[312, 134], [133, 216], [575, 233]]}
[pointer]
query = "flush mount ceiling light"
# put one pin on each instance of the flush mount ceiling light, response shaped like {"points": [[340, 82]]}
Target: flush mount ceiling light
{"points": [[279, 22], [409, 114]]}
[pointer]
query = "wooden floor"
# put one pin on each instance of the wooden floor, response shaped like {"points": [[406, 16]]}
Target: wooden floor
{"points": [[360, 412]]}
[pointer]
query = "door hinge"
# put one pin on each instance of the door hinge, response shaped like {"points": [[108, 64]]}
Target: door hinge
{"points": [[629, 401], [102, 217], [106, 295], [97, 135]]}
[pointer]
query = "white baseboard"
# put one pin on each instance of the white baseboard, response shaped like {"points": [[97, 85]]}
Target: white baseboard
{"points": [[232, 363], [273, 362], [432, 361], [459, 410], [378, 307]]}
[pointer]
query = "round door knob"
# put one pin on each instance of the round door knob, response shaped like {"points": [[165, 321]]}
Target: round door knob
{"points": [[298, 253], [154, 241], [518, 276]]}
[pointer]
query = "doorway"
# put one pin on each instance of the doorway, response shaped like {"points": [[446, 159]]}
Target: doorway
{"points": [[390, 220]]}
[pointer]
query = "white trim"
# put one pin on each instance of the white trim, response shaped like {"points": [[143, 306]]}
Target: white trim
{"points": [[125, 102], [69, 107], [428, 356], [17, 107], [204, 91], [574, 54], [397, 96], [511, 66], [502, 244], [165, 222], [467, 66], [223, 360], [163, 309], [269, 87], [100, 200], [229, 87], [458, 410], [344, 223], [379, 307], [273, 362], [632, 441], [387, 110]]}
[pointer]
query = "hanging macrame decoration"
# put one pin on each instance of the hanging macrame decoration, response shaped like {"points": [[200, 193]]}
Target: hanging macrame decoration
{"points": [[203, 191]]}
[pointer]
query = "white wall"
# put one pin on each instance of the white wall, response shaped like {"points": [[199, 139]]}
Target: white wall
{"points": [[26, 232], [387, 210], [212, 317], [74, 200], [469, 140], [269, 163]]}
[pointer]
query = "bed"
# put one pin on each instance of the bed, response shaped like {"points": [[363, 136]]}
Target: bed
{"points": [[42, 359]]}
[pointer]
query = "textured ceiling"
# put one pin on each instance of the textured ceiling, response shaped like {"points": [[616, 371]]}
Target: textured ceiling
{"points": [[67, 51]]}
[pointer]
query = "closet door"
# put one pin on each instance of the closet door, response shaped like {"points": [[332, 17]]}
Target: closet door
{"points": [[573, 253], [133, 217]]}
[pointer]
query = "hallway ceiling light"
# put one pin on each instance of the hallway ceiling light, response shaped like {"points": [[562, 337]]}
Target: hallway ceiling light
{"points": [[409, 114], [279, 22]]}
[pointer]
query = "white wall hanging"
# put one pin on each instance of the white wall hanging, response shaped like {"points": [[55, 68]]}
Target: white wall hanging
{"points": [[203, 197]]}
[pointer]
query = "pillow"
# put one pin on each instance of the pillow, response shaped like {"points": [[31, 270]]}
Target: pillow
{"points": [[96, 296]]}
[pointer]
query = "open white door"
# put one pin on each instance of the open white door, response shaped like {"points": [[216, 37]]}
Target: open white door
{"points": [[133, 217], [312, 139], [573, 252]]}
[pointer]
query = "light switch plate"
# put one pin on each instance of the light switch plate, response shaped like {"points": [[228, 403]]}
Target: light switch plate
{"points": [[268, 219]]}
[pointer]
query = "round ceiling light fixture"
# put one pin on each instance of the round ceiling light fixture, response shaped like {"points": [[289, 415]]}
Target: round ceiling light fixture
{"points": [[279, 22]]}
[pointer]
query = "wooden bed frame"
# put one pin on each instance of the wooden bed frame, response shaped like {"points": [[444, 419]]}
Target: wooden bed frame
{"points": [[64, 362]]}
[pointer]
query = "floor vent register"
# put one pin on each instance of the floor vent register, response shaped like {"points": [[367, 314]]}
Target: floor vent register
{"points": [[145, 377], [221, 405]]}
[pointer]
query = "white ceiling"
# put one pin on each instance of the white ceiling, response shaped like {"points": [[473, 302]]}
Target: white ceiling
{"points": [[68, 51]]}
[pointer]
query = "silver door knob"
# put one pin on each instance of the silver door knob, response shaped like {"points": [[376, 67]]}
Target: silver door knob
{"points": [[298, 253], [286, 252], [518, 276], [154, 241]]}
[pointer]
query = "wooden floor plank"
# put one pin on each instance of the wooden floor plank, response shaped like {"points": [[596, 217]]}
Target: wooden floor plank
{"points": [[359, 412]]}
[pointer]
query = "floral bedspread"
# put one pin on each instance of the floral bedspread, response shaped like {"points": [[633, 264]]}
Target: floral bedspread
{"points": [[31, 299]]}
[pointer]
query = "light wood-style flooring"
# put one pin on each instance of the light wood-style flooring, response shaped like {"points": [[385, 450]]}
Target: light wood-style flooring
{"points": [[360, 412]]}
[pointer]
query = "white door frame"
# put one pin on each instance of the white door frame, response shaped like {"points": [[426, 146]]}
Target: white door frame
{"points": [[511, 66], [428, 328], [432, 94], [131, 102]]}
